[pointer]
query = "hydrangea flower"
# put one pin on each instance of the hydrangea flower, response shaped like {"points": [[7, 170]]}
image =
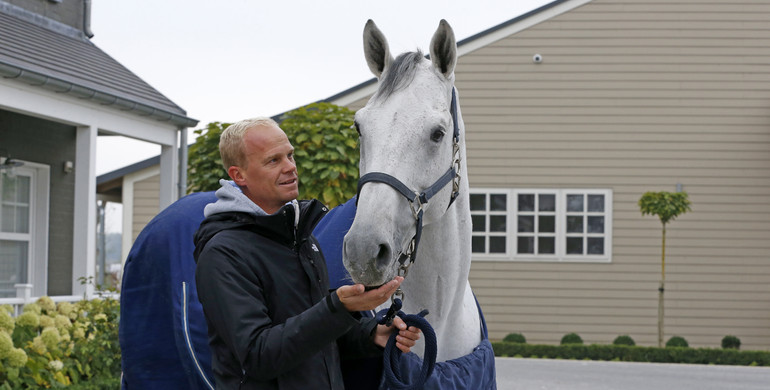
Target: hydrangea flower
{"points": [[46, 304], [78, 333], [6, 345], [29, 318], [65, 308], [7, 308], [55, 365], [17, 358], [50, 337], [46, 321], [32, 308], [100, 317], [38, 346], [62, 322], [6, 321]]}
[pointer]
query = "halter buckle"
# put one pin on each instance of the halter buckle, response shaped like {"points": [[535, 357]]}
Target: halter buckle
{"points": [[416, 205], [399, 293]]}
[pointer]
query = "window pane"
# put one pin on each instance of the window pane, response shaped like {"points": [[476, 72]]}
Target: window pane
{"points": [[479, 202], [13, 266], [22, 189], [497, 223], [546, 245], [574, 224], [596, 224], [526, 245], [595, 245], [526, 202], [479, 223], [547, 202], [526, 223], [574, 245], [574, 202], [9, 188], [596, 203], [496, 244], [478, 244], [546, 223], [8, 220], [497, 202], [22, 219]]}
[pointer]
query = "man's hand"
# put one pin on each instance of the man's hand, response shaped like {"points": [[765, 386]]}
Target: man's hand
{"points": [[356, 298], [406, 338]]}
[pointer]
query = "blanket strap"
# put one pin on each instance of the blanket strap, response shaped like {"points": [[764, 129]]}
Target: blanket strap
{"points": [[392, 355]]}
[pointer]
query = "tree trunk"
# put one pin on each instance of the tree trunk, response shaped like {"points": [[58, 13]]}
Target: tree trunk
{"points": [[662, 288]]}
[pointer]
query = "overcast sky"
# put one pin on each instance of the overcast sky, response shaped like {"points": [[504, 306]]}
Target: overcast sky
{"points": [[228, 60]]}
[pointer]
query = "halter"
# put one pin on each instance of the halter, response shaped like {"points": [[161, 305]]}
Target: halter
{"points": [[418, 200]]}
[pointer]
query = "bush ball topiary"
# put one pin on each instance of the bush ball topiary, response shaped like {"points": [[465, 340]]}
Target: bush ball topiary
{"points": [[677, 341], [624, 340], [515, 338], [571, 338], [731, 342]]}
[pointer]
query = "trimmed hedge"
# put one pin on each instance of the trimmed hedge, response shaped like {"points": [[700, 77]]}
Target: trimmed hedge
{"points": [[634, 354]]}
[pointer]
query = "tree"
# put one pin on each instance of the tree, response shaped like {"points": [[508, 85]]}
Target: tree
{"points": [[667, 206], [326, 150], [204, 166]]}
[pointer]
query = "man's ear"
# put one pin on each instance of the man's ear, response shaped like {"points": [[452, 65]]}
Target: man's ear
{"points": [[237, 175]]}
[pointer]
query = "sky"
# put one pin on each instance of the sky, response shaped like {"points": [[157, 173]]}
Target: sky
{"points": [[228, 60]]}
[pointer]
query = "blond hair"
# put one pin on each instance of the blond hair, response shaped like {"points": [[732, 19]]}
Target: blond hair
{"points": [[231, 140]]}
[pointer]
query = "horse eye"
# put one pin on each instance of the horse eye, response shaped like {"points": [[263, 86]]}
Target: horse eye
{"points": [[358, 129], [437, 134]]}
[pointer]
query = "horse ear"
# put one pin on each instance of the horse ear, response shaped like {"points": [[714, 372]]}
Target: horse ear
{"points": [[443, 49], [376, 49]]}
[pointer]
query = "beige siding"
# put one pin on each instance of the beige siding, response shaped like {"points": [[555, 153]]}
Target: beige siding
{"points": [[146, 203], [632, 96]]}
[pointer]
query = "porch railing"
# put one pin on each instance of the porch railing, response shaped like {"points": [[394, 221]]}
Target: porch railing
{"points": [[24, 296]]}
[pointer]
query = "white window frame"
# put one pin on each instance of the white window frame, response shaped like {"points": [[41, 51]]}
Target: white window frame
{"points": [[561, 234], [37, 255]]}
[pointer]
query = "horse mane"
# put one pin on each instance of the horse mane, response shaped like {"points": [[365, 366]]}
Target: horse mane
{"points": [[400, 73]]}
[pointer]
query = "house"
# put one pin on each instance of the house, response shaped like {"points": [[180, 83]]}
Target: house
{"points": [[58, 92], [572, 112]]}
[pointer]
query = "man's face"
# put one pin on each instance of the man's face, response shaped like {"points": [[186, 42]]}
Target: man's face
{"points": [[269, 177]]}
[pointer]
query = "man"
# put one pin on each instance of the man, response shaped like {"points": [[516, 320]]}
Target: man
{"points": [[263, 282]]}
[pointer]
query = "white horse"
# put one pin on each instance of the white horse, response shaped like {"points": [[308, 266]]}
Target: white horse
{"points": [[406, 131]]}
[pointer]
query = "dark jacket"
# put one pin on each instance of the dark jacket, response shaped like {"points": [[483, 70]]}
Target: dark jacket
{"points": [[263, 285]]}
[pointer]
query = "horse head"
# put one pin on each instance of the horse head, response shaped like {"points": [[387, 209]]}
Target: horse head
{"points": [[408, 132]]}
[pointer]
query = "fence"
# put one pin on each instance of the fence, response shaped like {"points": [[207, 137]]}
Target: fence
{"points": [[24, 296]]}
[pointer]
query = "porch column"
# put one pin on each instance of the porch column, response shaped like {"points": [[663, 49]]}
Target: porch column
{"points": [[169, 163], [84, 229]]}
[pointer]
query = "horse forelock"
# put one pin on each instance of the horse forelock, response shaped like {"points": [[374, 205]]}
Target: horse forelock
{"points": [[400, 73]]}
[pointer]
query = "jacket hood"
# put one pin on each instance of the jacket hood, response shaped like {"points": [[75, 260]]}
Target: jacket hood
{"points": [[291, 224]]}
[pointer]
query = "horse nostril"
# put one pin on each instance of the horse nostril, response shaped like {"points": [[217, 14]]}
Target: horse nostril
{"points": [[383, 255]]}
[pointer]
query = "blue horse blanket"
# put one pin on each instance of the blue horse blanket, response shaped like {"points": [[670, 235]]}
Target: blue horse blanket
{"points": [[163, 333]]}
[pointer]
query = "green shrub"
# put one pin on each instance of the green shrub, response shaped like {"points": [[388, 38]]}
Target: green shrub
{"points": [[60, 345], [571, 338], [515, 338], [634, 354], [731, 342], [677, 341], [624, 340]]}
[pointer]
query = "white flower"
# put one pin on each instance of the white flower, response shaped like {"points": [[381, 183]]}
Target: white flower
{"points": [[55, 365]]}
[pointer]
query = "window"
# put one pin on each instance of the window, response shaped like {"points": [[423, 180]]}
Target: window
{"points": [[542, 224], [23, 228]]}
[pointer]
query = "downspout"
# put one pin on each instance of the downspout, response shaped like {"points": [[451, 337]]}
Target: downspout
{"points": [[182, 186], [87, 19]]}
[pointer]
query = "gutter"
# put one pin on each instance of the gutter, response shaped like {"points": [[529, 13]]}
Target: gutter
{"points": [[9, 71]]}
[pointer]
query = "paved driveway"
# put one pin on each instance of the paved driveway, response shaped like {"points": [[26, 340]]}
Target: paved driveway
{"points": [[544, 374]]}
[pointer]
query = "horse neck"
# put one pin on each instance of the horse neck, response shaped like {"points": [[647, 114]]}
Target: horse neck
{"points": [[438, 278]]}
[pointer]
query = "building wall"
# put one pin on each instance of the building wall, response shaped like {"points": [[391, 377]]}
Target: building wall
{"points": [[69, 12], [146, 204], [50, 143], [632, 96]]}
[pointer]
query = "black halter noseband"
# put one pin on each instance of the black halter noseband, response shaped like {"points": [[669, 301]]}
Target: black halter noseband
{"points": [[418, 200]]}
